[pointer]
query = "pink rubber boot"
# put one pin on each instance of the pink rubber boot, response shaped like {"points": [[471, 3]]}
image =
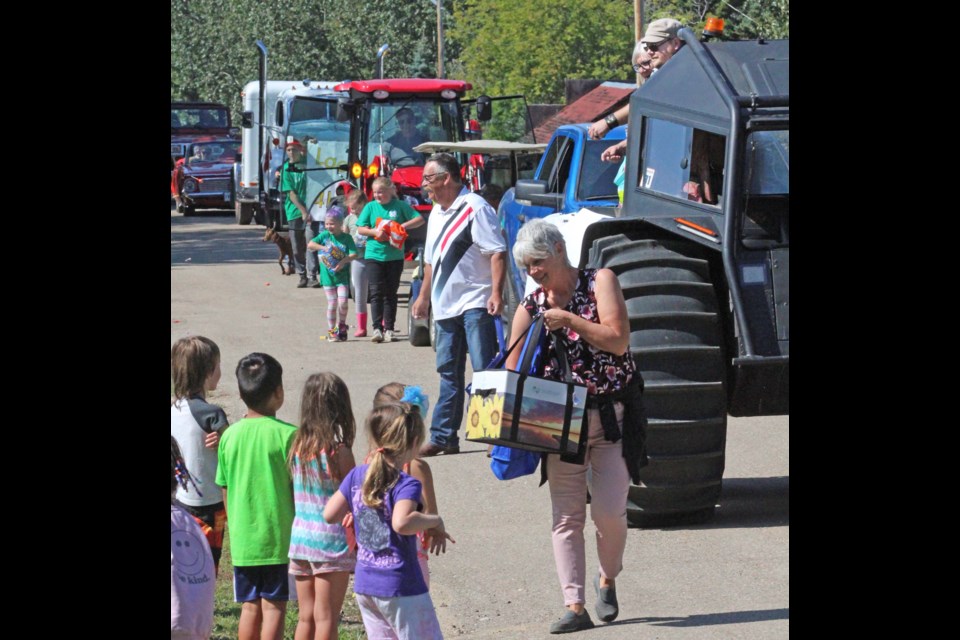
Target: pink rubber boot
{"points": [[361, 326]]}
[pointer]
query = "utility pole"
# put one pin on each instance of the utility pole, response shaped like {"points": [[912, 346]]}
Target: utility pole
{"points": [[638, 26], [439, 40]]}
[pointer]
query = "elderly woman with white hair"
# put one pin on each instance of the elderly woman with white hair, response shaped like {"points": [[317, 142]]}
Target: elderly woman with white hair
{"points": [[586, 311]]}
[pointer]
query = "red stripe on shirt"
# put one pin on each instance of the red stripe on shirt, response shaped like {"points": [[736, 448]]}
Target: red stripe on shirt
{"points": [[454, 226]]}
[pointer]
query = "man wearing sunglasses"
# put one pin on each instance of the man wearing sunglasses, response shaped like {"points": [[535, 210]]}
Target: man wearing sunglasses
{"points": [[405, 139], [463, 276], [642, 65], [661, 41]]}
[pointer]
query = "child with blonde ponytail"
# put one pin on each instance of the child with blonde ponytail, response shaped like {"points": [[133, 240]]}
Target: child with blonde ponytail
{"points": [[386, 504]]}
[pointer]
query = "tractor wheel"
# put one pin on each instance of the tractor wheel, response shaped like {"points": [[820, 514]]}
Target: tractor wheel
{"points": [[244, 212], [677, 340]]}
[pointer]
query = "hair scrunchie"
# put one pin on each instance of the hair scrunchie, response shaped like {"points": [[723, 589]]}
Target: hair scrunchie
{"points": [[415, 396]]}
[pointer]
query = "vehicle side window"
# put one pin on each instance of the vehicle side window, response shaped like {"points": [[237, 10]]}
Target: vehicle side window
{"points": [[559, 182], [549, 159], [682, 161], [556, 164], [279, 118]]}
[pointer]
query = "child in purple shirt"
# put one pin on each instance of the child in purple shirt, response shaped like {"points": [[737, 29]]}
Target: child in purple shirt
{"points": [[386, 504]]}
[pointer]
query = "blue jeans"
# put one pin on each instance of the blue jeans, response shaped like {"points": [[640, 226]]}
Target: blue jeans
{"points": [[473, 331]]}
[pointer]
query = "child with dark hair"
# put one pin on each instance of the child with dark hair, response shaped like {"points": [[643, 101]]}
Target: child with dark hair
{"points": [[197, 424], [320, 558], [192, 573], [386, 504], [258, 494]]}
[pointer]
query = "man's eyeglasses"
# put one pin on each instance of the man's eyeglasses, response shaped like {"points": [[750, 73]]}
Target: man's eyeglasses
{"points": [[429, 177], [652, 48], [641, 65]]}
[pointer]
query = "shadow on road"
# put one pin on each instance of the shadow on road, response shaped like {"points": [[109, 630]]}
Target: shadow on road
{"points": [[216, 239], [709, 619], [744, 502], [753, 502]]}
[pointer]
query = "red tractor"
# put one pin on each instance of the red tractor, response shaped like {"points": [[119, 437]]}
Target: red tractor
{"points": [[390, 117]]}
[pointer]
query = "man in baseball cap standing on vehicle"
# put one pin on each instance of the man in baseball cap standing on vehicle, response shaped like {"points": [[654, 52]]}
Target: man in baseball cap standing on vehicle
{"points": [[661, 41]]}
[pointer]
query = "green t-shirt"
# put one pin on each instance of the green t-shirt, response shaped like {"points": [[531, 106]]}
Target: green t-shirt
{"points": [[336, 247], [252, 467], [396, 210], [290, 181]]}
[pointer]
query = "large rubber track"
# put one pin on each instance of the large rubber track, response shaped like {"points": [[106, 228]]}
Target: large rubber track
{"points": [[677, 341]]}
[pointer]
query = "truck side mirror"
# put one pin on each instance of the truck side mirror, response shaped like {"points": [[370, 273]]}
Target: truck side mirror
{"points": [[246, 119], [535, 192], [345, 109], [484, 108]]}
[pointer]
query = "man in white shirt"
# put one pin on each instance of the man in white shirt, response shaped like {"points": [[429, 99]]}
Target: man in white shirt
{"points": [[464, 267]]}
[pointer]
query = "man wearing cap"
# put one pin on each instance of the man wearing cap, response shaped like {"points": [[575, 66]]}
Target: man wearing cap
{"points": [[661, 41], [294, 184], [657, 45], [405, 139]]}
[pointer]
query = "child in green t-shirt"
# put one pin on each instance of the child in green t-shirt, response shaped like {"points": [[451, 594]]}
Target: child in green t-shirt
{"points": [[335, 249], [384, 261], [258, 493]]}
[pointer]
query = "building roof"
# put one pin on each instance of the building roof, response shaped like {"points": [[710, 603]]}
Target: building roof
{"points": [[606, 98]]}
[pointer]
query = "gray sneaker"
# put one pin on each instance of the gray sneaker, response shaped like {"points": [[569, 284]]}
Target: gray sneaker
{"points": [[388, 336], [607, 607], [377, 336], [571, 622]]}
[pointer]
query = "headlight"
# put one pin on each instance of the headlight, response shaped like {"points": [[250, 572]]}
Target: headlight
{"points": [[189, 186]]}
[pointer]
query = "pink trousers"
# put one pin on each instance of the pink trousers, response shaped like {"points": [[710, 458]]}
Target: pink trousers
{"points": [[609, 485]]}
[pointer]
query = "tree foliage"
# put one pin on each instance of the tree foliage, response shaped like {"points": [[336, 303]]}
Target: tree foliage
{"points": [[531, 47], [500, 46], [213, 52]]}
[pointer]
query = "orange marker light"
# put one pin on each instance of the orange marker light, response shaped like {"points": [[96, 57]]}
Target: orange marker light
{"points": [[714, 27], [356, 170]]}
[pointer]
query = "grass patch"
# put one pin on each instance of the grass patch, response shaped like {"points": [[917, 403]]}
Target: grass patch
{"points": [[226, 612]]}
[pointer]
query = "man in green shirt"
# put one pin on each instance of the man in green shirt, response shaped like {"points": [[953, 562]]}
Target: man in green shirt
{"points": [[294, 184]]}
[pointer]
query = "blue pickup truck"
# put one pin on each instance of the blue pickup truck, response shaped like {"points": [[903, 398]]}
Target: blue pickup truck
{"points": [[570, 176]]}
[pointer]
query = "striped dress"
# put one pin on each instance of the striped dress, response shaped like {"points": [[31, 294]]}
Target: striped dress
{"points": [[311, 537]]}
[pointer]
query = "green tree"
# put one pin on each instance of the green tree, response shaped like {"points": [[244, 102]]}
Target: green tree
{"points": [[213, 53], [531, 47]]}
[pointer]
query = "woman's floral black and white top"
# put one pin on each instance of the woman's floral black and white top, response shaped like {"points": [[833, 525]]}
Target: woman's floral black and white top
{"points": [[600, 371]]}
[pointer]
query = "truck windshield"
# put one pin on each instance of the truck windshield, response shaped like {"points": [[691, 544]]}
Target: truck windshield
{"points": [[768, 162], [596, 177], [395, 128], [199, 118], [313, 122]]}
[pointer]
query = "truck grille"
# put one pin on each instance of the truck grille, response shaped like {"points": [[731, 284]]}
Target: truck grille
{"points": [[211, 185]]}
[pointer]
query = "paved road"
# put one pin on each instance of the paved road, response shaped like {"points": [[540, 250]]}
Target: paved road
{"points": [[725, 579]]}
